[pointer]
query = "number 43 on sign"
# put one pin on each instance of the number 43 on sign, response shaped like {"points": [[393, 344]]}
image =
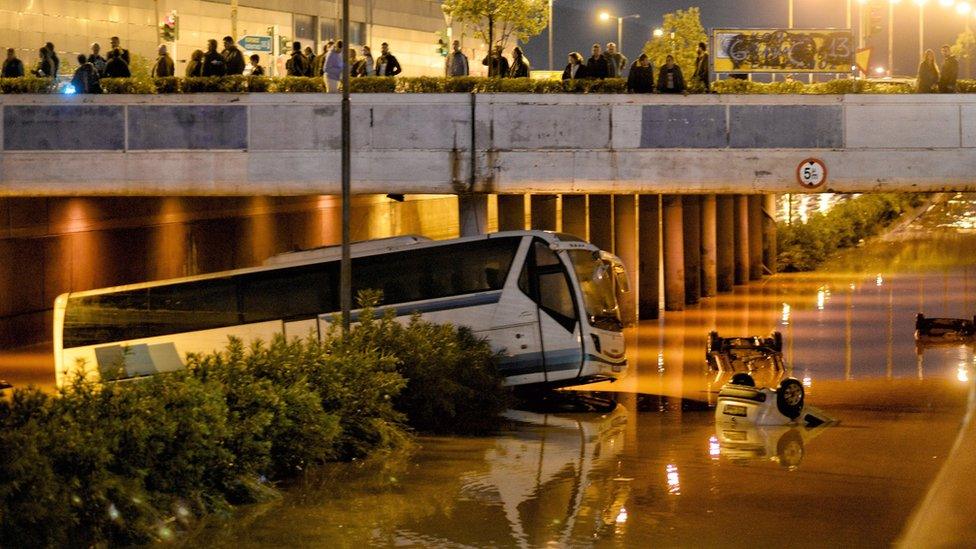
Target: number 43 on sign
{"points": [[811, 173]]}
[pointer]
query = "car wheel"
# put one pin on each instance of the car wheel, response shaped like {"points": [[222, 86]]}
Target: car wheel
{"points": [[789, 449], [789, 398], [778, 341], [742, 378]]}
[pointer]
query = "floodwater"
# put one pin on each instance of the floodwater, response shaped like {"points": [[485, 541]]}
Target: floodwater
{"points": [[657, 471]]}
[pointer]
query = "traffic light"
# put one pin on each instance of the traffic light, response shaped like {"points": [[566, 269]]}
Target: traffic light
{"points": [[442, 47], [283, 45]]}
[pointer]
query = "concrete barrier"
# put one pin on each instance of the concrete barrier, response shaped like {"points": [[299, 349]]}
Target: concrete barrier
{"points": [[250, 144]]}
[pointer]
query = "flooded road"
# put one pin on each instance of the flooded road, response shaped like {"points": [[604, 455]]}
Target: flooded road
{"points": [[657, 471]]}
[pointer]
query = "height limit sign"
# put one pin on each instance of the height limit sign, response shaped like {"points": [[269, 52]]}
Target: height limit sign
{"points": [[811, 173]]}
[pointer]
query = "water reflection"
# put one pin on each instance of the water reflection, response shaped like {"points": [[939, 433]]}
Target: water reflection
{"points": [[786, 445]]}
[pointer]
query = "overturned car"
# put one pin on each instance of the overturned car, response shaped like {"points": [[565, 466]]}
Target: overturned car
{"points": [[741, 401], [934, 331], [729, 354]]}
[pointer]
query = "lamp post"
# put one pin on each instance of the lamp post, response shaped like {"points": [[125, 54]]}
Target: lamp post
{"points": [[345, 262], [789, 14], [604, 16], [891, 35], [921, 27], [550, 35]]}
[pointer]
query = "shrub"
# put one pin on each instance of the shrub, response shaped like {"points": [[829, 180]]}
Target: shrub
{"points": [[215, 84], [27, 84], [804, 246], [373, 84], [128, 85], [299, 84], [168, 84]]}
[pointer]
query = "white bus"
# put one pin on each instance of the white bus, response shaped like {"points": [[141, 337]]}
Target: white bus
{"points": [[546, 301]]}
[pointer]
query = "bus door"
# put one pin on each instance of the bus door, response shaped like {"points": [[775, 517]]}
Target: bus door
{"points": [[546, 280]]}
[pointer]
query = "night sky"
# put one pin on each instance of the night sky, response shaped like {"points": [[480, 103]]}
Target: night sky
{"points": [[577, 26]]}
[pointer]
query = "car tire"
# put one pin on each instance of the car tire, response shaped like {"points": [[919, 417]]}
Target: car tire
{"points": [[778, 342], [789, 449], [789, 398]]}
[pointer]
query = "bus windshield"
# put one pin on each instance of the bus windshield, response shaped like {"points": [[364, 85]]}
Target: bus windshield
{"points": [[596, 282]]}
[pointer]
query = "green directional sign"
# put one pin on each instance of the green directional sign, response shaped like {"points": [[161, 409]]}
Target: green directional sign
{"points": [[253, 42]]}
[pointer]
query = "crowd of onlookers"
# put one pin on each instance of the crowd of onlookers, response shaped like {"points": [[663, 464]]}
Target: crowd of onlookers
{"points": [[608, 63]]}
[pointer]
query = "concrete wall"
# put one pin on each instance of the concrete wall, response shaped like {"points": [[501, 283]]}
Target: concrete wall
{"points": [[289, 143]]}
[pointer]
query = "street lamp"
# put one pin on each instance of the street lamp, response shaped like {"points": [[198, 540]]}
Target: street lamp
{"points": [[921, 27], [658, 32], [963, 8], [604, 16], [550, 35]]}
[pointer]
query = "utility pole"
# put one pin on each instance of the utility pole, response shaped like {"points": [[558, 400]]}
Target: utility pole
{"points": [[550, 35], [233, 19], [891, 36], [345, 267]]}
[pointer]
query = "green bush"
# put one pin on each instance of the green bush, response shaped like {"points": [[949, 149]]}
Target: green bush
{"points": [[141, 86], [804, 246], [27, 84], [215, 84], [134, 462], [298, 84]]}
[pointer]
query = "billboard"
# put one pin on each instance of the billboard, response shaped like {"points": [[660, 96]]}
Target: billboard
{"points": [[782, 50]]}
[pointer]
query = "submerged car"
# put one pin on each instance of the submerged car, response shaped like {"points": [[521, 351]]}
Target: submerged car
{"points": [[944, 330], [727, 354]]}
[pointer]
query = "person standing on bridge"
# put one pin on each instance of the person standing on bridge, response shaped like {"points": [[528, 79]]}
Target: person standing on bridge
{"points": [[233, 58], [195, 66], [12, 67], [641, 76], [670, 80], [616, 61], [387, 64], [55, 60], [496, 63], [85, 79], [116, 66], [213, 62], [949, 72], [116, 45], [164, 64], [596, 65], [575, 69], [96, 59], [456, 63], [520, 64], [256, 68], [333, 68], [297, 65], [701, 77], [928, 74]]}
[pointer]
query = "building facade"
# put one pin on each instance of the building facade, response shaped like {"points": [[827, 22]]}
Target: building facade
{"points": [[411, 28]]}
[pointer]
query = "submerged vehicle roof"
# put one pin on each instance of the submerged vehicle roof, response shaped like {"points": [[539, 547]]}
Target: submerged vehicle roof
{"points": [[362, 248]]}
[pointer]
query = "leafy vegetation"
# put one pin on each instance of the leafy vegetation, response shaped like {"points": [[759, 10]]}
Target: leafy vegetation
{"points": [[137, 461], [682, 33], [804, 246], [498, 21]]}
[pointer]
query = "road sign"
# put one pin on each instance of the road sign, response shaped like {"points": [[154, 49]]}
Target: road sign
{"points": [[254, 42], [811, 173]]}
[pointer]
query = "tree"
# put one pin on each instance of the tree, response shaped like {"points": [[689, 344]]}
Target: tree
{"points": [[682, 33], [498, 21]]}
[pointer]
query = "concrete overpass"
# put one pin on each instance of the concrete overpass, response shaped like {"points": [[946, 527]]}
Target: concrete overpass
{"points": [[279, 144]]}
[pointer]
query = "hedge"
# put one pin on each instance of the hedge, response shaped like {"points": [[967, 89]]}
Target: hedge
{"points": [[137, 461], [804, 246]]}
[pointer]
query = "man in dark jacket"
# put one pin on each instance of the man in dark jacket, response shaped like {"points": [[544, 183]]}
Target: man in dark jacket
{"points": [[456, 63], [318, 61], [520, 64], [670, 80], [55, 60], [85, 79], [116, 67], [641, 76], [616, 61], [233, 58], [213, 62], [96, 58], [12, 67], [297, 65], [124, 53], [387, 64], [596, 65], [700, 77], [949, 72], [496, 63], [164, 64]]}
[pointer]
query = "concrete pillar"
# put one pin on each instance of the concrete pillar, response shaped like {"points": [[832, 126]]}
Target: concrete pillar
{"points": [[755, 237], [473, 214], [674, 254], [601, 221], [741, 235], [574, 215], [709, 280], [769, 247], [625, 247], [649, 256], [725, 242], [691, 223], [544, 211], [511, 212]]}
